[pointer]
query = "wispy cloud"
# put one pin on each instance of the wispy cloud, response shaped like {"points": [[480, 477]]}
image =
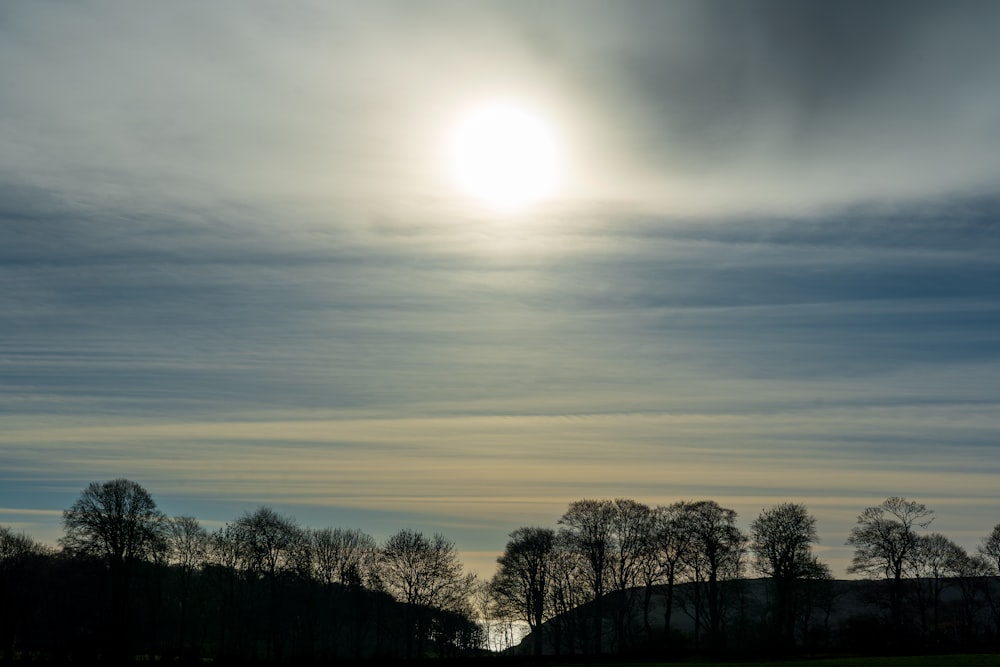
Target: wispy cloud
{"points": [[231, 268], [486, 475]]}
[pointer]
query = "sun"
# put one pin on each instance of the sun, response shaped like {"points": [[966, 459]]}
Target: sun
{"points": [[505, 155]]}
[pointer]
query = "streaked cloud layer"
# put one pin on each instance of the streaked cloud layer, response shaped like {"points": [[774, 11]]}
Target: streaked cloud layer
{"points": [[233, 269]]}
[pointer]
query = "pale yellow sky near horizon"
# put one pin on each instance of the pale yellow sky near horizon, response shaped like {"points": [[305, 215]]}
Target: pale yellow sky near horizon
{"points": [[481, 477]]}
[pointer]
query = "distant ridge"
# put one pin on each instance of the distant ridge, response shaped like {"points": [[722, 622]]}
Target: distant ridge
{"points": [[840, 615]]}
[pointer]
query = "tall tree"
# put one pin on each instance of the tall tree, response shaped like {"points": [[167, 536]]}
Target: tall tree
{"points": [[425, 574], [989, 552], [672, 543], [718, 549], [15, 547], [119, 522], [272, 543], [586, 528], [932, 564], [188, 542], [569, 592], [781, 541], [990, 549], [344, 560], [883, 539], [973, 574], [188, 545], [16, 551], [521, 584], [630, 549], [226, 564], [276, 550], [342, 555]]}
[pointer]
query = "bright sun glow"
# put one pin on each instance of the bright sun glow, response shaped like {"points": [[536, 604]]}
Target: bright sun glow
{"points": [[504, 155]]}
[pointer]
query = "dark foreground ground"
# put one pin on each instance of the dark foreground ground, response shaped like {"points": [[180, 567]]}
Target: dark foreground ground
{"points": [[957, 660]]}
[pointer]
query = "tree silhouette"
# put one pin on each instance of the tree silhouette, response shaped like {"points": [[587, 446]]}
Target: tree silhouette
{"points": [[118, 522], [345, 562], [990, 549], [571, 588], [16, 551], [883, 539], [425, 574], [781, 540], [342, 556], [973, 572], [630, 548], [673, 541], [521, 584], [717, 555], [587, 526], [275, 551], [932, 564], [129, 582], [188, 545]]}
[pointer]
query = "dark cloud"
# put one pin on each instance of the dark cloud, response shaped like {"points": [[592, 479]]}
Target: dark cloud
{"points": [[784, 102], [214, 311]]}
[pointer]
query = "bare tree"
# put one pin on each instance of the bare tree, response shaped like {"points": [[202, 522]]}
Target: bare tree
{"points": [[521, 584], [990, 549], [718, 548], [14, 547], [781, 540], [498, 625], [272, 543], [119, 522], [275, 550], [16, 551], [972, 573], [630, 549], [225, 564], [116, 520], [188, 544], [587, 528], [883, 539], [673, 540], [425, 574], [342, 555], [932, 564], [569, 591], [344, 559]]}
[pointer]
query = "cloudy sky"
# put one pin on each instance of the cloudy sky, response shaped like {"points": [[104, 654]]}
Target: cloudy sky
{"points": [[235, 267]]}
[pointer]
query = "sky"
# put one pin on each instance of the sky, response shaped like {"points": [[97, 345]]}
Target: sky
{"points": [[235, 268]]}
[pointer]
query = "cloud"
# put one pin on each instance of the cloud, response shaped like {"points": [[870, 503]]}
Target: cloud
{"points": [[697, 106], [479, 477], [223, 311], [238, 276], [711, 106]]}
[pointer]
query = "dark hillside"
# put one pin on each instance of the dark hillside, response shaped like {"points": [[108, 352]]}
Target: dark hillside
{"points": [[837, 616]]}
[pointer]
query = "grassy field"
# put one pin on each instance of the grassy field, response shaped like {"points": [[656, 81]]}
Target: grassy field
{"points": [[909, 661]]}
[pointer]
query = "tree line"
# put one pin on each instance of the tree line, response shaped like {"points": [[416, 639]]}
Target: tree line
{"points": [[614, 576], [128, 582], [596, 583]]}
